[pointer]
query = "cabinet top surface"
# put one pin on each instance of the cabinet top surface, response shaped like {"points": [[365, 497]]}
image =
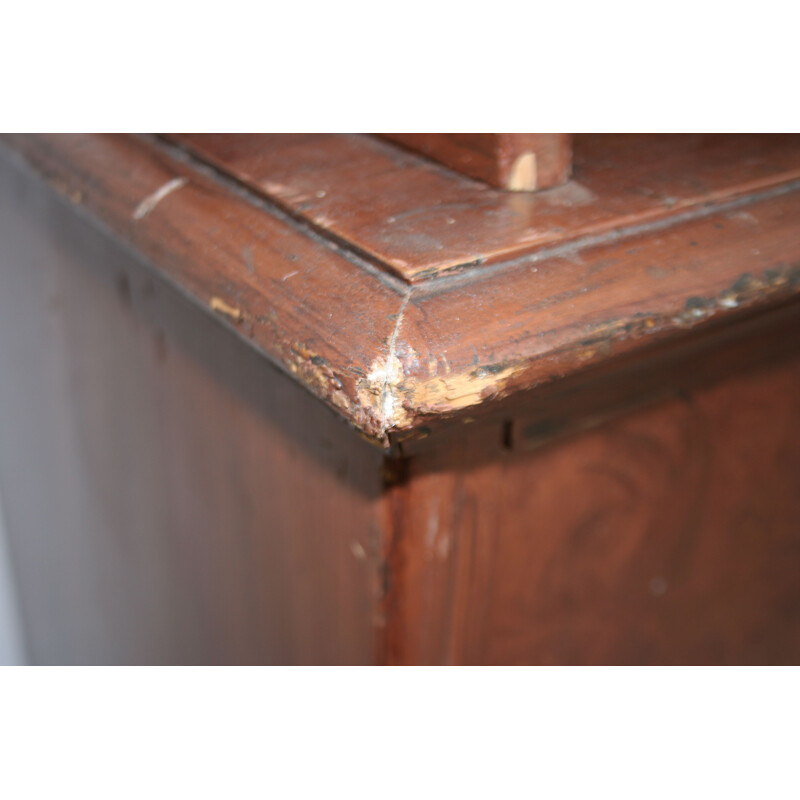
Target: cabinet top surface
{"points": [[402, 294], [418, 220]]}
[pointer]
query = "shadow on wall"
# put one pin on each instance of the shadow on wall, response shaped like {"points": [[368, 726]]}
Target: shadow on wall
{"points": [[12, 651]]}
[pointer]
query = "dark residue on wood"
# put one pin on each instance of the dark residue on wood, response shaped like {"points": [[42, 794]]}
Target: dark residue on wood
{"points": [[393, 359]]}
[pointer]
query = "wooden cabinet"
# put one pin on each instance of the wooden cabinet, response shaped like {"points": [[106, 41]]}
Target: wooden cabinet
{"points": [[319, 399]]}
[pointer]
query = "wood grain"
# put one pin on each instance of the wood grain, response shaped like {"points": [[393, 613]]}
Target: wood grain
{"points": [[398, 361], [417, 220], [670, 536], [465, 346], [592, 450], [296, 299], [170, 496], [514, 161]]}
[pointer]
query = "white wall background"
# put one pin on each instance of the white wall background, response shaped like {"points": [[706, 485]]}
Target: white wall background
{"points": [[11, 643]]}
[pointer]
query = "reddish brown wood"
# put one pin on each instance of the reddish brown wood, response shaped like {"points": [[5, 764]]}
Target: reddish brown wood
{"points": [[513, 161], [296, 299], [398, 361], [590, 452], [417, 220], [671, 536], [465, 346], [170, 497]]}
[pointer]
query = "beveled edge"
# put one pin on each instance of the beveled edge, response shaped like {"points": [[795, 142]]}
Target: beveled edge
{"points": [[417, 220], [407, 357]]}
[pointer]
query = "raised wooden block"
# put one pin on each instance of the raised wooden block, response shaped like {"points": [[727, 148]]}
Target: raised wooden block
{"points": [[519, 162]]}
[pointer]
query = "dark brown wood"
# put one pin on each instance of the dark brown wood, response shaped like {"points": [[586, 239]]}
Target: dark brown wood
{"points": [[520, 162], [584, 454], [170, 496]]}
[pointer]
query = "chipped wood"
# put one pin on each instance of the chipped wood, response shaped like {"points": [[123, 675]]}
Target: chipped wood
{"points": [[399, 361], [589, 450], [218, 304]]}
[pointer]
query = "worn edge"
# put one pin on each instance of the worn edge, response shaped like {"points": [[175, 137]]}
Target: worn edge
{"points": [[387, 401]]}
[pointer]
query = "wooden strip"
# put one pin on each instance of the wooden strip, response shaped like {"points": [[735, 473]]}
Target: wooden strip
{"points": [[171, 498], [418, 220], [297, 300], [514, 161], [401, 363], [469, 344]]}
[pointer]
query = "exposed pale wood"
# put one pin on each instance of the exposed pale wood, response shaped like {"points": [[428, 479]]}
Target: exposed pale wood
{"points": [[593, 449], [170, 497], [585, 399], [296, 299], [670, 536], [417, 220], [396, 362], [523, 162], [463, 347]]}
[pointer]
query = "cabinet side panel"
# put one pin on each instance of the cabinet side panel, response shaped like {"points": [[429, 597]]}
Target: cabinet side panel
{"points": [[170, 497], [671, 535]]}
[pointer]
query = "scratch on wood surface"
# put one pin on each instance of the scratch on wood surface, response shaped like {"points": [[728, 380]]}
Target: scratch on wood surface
{"points": [[398, 398], [152, 200], [379, 390], [218, 304], [358, 551], [392, 372]]}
